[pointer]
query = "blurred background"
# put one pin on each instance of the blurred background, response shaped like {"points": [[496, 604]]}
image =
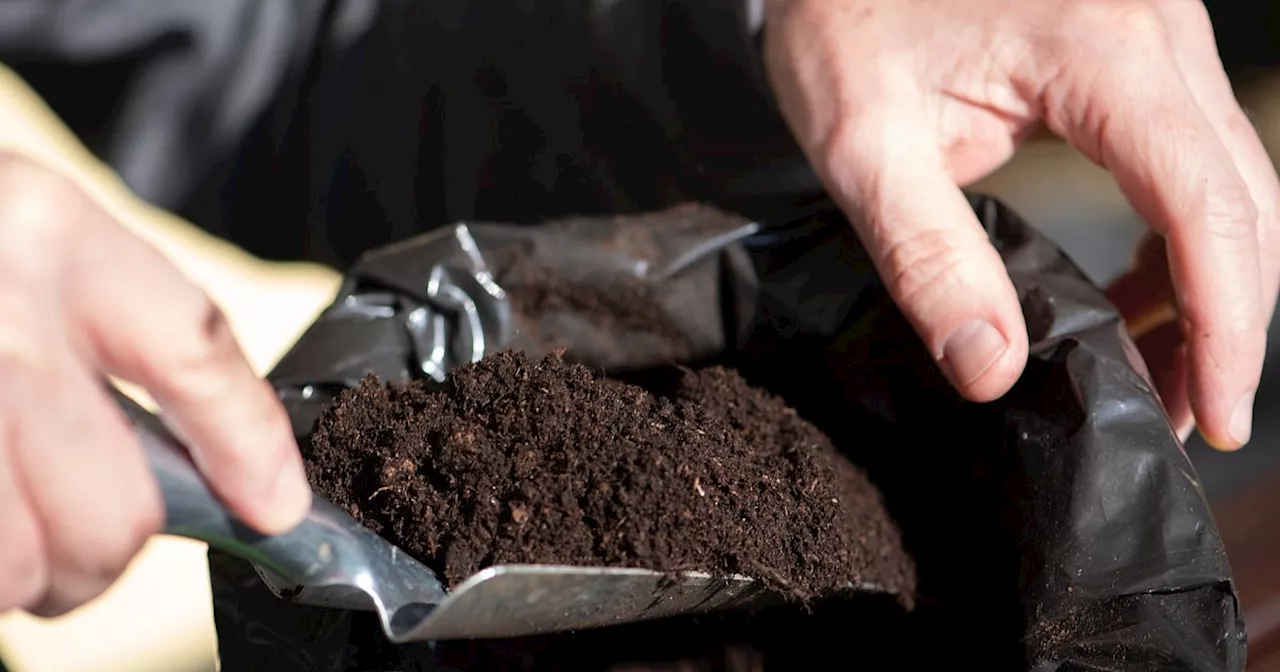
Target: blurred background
{"points": [[1051, 185]]}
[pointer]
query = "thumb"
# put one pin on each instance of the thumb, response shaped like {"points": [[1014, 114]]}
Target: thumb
{"points": [[930, 250]]}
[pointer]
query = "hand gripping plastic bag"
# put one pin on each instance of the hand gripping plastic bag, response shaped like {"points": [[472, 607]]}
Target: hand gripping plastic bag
{"points": [[1061, 527]]}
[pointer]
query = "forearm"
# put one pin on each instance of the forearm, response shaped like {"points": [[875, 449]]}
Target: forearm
{"points": [[268, 304]]}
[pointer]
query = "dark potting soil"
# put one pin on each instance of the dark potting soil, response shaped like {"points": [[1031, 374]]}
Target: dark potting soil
{"points": [[537, 290], [597, 274], [519, 460]]}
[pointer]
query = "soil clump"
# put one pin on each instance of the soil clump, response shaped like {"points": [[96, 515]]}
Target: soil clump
{"points": [[517, 460]]}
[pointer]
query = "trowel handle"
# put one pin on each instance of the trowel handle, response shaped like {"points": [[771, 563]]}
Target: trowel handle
{"points": [[192, 511]]}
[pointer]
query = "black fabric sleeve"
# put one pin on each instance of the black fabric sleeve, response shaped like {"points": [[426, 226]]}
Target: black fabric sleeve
{"points": [[158, 90], [318, 129]]}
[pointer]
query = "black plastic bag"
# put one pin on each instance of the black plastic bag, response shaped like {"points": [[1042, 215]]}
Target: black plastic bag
{"points": [[1059, 528]]}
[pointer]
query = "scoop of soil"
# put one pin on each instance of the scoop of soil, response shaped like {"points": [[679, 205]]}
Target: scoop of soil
{"points": [[513, 460]]}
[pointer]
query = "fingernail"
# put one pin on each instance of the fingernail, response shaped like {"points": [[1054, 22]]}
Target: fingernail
{"points": [[289, 499], [1242, 420], [971, 350]]}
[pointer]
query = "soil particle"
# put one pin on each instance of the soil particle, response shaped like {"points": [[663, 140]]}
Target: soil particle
{"points": [[597, 286], [619, 305], [519, 460]]}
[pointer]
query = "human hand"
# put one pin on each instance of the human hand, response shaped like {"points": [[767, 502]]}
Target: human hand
{"points": [[897, 104], [84, 299]]}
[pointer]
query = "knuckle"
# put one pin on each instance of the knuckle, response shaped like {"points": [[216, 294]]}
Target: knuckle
{"points": [[19, 176], [839, 149], [921, 268], [836, 149], [1230, 214], [246, 461], [1141, 25], [105, 544], [146, 522], [1237, 123], [147, 518], [33, 201], [1096, 21], [28, 318], [1237, 325], [194, 364], [111, 555], [1191, 15]]}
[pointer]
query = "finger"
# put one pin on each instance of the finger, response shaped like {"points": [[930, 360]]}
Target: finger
{"points": [[23, 570], [1196, 54], [928, 246], [83, 475], [94, 535], [1137, 119], [147, 324], [1197, 57]]}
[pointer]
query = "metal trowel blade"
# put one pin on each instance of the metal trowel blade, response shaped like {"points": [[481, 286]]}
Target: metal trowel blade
{"points": [[522, 600]]}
